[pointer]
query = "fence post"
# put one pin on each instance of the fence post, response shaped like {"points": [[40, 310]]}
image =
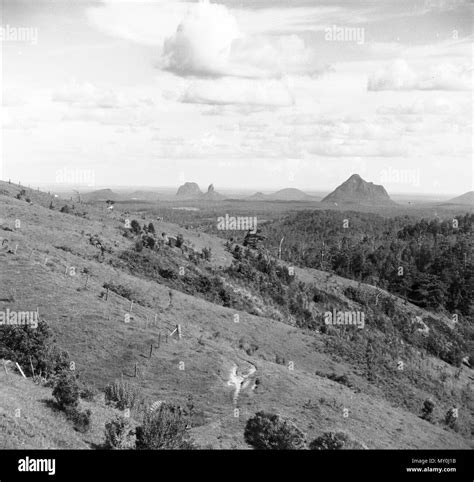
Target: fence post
{"points": [[136, 369], [87, 279], [159, 340], [151, 350], [31, 366], [179, 331], [131, 305], [21, 371], [107, 294]]}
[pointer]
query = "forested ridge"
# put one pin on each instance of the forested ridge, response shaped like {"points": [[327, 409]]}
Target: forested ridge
{"points": [[428, 262]]}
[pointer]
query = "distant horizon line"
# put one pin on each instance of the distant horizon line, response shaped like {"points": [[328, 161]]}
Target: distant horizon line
{"points": [[65, 187]]}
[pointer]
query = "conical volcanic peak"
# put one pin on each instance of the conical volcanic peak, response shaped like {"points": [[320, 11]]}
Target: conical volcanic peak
{"points": [[357, 191]]}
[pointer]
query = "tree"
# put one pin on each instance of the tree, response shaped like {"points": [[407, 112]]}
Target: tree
{"points": [[33, 348]]}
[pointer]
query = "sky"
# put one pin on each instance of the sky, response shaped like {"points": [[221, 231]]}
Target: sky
{"points": [[248, 94]]}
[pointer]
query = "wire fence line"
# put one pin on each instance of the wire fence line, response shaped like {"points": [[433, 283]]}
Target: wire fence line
{"points": [[133, 310]]}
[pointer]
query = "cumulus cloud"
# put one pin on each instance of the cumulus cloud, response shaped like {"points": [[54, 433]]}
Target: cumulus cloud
{"points": [[203, 41], [400, 76], [230, 91], [209, 42]]}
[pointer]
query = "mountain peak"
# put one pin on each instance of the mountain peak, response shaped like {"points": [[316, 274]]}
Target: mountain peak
{"points": [[189, 190], [356, 190]]}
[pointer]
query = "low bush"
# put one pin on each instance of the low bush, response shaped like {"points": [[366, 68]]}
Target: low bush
{"points": [[206, 254], [427, 410], [87, 393], [66, 390], [164, 428], [119, 434], [271, 432], [122, 395], [334, 441], [81, 420], [451, 418]]}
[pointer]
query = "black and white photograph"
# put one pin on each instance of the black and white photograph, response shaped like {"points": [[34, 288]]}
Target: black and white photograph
{"points": [[236, 232]]}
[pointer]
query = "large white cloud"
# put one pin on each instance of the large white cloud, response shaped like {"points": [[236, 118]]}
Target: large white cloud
{"points": [[209, 42], [400, 76], [203, 41]]}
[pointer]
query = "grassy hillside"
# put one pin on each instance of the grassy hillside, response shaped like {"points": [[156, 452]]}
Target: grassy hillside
{"points": [[298, 369]]}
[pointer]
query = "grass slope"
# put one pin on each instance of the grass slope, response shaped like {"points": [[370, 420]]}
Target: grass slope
{"points": [[104, 346]]}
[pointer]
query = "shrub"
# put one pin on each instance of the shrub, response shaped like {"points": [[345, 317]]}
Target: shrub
{"points": [[80, 420], [148, 242], [167, 273], [33, 347], [206, 254], [281, 360], [451, 417], [164, 428], [87, 393], [65, 209], [119, 434], [270, 431], [334, 441], [66, 390], [179, 240], [427, 410], [135, 226], [121, 394], [138, 246], [248, 346], [121, 290]]}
